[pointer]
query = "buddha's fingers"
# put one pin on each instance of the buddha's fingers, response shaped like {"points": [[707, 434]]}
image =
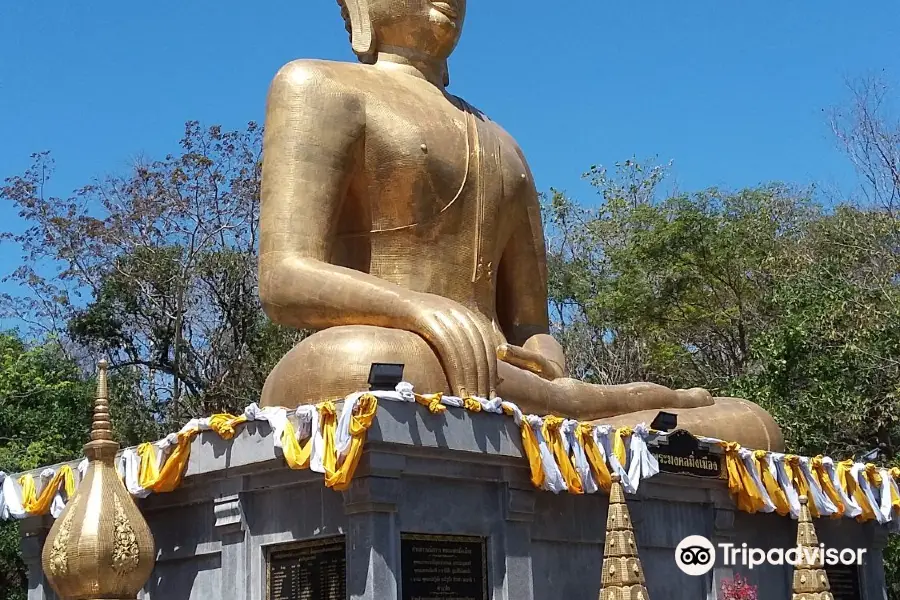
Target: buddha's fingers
{"points": [[490, 353], [529, 361], [458, 345], [545, 345], [488, 342], [479, 362]]}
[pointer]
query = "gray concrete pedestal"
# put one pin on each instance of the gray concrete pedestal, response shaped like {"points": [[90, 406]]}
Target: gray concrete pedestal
{"points": [[459, 473]]}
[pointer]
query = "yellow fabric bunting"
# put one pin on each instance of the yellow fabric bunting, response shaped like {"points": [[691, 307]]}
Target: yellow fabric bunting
{"points": [[68, 481], [362, 418], [471, 404], [553, 435], [873, 475], [875, 479], [432, 402], [533, 452], [817, 465], [895, 497], [796, 477], [336, 453], [740, 483], [172, 472], [36, 504], [601, 473], [296, 456], [29, 494], [148, 471], [776, 494], [619, 448], [852, 489], [224, 424]]}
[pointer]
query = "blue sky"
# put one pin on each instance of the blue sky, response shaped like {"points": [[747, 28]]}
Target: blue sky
{"points": [[733, 92]]}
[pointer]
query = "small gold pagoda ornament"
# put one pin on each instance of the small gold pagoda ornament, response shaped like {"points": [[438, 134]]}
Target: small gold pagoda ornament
{"points": [[810, 579], [623, 575], [100, 546]]}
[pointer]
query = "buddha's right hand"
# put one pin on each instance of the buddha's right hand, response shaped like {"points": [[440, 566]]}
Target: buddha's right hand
{"points": [[463, 340]]}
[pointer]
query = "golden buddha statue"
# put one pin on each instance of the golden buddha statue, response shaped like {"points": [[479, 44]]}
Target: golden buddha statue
{"points": [[405, 226]]}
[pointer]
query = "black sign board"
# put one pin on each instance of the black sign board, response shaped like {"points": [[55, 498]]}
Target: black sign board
{"points": [[844, 581], [681, 453], [311, 570], [443, 567]]}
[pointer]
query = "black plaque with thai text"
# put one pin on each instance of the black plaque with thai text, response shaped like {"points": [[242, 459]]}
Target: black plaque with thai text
{"points": [[311, 570], [682, 453], [443, 567], [844, 580]]}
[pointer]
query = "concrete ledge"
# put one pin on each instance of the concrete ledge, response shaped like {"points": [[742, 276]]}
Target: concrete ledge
{"points": [[458, 473]]}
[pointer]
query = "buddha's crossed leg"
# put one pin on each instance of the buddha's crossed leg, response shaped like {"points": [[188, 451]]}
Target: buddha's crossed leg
{"points": [[335, 362]]}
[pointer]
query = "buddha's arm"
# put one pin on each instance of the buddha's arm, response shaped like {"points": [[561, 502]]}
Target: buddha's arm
{"points": [[313, 146], [522, 294], [313, 140]]}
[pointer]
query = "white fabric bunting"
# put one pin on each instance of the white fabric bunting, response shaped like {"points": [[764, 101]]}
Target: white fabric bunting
{"points": [[785, 483], [851, 507], [553, 479], [579, 458], [640, 462], [858, 472], [748, 459], [823, 503]]}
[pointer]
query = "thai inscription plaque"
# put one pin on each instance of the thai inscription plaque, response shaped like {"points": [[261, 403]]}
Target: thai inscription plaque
{"points": [[443, 567], [682, 453], [311, 570]]}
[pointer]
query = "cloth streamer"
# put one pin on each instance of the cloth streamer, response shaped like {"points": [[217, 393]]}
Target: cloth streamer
{"points": [[563, 455]]}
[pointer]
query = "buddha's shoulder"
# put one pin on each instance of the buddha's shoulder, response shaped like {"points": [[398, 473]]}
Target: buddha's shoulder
{"points": [[506, 139], [328, 75]]}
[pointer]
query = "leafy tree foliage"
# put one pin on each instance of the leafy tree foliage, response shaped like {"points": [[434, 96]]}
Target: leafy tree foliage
{"points": [[669, 289], [45, 408], [760, 293], [156, 269]]}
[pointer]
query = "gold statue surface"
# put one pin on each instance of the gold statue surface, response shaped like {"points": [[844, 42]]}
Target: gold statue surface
{"points": [[100, 546], [403, 224]]}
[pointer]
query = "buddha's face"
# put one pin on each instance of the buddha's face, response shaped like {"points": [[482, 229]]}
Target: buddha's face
{"points": [[430, 27]]}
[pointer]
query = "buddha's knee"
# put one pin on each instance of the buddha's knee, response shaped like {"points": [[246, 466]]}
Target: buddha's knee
{"points": [[335, 362]]}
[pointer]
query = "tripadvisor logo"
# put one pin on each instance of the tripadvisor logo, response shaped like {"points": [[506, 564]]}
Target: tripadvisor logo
{"points": [[696, 555]]}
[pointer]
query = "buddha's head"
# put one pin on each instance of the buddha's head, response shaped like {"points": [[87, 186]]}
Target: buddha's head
{"points": [[421, 26]]}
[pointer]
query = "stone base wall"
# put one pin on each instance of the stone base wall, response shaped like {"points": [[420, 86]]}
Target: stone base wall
{"points": [[459, 473]]}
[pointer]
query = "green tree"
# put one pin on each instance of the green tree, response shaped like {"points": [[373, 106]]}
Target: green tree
{"points": [[829, 366], [760, 293], [668, 289], [45, 408], [156, 269]]}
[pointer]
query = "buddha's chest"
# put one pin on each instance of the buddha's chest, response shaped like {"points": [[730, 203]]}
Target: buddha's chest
{"points": [[440, 169]]}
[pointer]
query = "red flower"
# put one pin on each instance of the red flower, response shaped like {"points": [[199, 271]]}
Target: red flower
{"points": [[738, 589]]}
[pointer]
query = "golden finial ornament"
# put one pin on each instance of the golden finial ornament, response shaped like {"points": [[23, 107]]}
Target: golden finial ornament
{"points": [[810, 579], [100, 546], [623, 575]]}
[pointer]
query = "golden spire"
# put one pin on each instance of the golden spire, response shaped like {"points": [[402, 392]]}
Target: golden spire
{"points": [[623, 575], [810, 579], [100, 546]]}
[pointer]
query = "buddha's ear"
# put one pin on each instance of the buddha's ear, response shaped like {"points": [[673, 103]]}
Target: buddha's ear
{"points": [[361, 35]]}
